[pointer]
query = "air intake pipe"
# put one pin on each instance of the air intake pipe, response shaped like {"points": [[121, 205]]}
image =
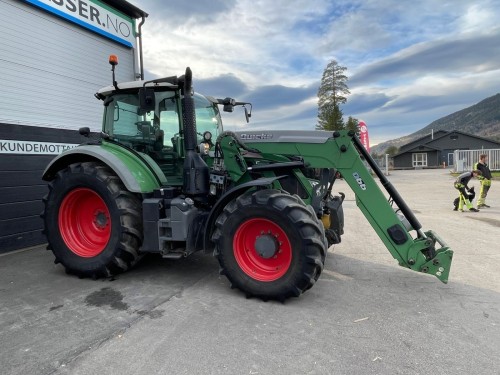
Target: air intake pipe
{"points": [[195, 174]]}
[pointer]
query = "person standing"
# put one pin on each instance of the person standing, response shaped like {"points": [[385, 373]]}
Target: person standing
{"points": [[461, 185], [484, 179]]}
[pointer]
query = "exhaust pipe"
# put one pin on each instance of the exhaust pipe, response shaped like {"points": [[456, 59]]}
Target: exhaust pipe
{"points": [[195, 174]]}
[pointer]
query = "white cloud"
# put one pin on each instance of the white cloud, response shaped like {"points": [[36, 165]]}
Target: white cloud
{"points": [[477, 17], [409, 64]]}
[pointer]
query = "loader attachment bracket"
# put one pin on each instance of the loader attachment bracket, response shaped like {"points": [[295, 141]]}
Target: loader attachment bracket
{"points": [[438, 264]]}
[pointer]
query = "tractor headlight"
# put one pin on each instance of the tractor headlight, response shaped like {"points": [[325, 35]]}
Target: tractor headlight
{"points": [[204, 147]]}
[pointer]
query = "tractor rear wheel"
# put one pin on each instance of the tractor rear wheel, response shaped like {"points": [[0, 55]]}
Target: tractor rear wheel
{"points": [[92, 223], [270, 244]]}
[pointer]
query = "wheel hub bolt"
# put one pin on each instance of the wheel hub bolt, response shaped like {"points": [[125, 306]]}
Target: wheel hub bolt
{"points": [[100, 219], [266, 246]]}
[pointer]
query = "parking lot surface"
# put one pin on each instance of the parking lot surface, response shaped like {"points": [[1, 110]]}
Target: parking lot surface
{"points": [[365, 315]]}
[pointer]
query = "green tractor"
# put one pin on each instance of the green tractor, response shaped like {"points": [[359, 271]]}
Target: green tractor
{"points": [[163, 177]]}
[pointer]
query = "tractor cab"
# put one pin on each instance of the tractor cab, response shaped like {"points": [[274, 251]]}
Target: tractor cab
{"points": [[156, 129], [149, 117]]}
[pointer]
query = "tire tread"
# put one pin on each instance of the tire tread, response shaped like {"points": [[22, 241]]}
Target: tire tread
{"points": [[126, 252], [306, 223]]}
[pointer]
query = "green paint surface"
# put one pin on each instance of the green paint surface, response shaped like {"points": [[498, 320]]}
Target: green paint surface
{"points": [[340, 153], [147, 180]]}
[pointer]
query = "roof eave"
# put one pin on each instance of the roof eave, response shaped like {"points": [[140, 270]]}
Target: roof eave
{"points": [[126, 8]]}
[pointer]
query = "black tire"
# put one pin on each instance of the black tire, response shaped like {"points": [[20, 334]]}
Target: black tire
{"points": [[285, 216], [92, 222]]}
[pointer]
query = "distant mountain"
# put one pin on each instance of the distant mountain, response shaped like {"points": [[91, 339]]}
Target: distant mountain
{"points": [[482, 119]]}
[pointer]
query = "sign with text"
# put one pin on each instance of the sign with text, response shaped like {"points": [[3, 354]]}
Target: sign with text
{"points": [[33, 148], [93, 15], [363, 135]]}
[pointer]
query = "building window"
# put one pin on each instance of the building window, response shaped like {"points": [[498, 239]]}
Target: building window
{"points": [[419, 160]]}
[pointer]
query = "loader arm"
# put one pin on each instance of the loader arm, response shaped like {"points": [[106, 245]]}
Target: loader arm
{"points": [[342, 151]]}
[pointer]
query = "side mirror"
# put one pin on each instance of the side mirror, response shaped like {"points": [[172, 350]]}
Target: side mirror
{"points": [[247, 115], [147, 99], [228, 104]]}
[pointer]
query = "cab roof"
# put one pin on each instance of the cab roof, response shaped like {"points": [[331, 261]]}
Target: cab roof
{"points": [[105, 91]]}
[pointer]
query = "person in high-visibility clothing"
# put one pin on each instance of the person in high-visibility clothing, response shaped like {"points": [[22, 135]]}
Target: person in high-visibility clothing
{"points": [[461, 185], [484, 179]]}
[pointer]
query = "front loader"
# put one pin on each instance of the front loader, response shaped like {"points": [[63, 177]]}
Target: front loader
{"points": [[163, 177]]}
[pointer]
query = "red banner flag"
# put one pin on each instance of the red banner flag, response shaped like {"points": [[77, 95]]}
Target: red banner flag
{"points": [[363, 135]]}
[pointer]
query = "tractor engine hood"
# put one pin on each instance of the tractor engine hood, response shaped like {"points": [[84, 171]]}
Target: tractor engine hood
{"points": [[284, 136]]}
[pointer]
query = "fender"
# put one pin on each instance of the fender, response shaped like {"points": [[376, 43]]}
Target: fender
{"points": [[225, 199], [138, 172]]}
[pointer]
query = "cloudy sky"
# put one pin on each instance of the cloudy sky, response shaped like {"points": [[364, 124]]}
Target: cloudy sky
{"points": [[408, 62]]}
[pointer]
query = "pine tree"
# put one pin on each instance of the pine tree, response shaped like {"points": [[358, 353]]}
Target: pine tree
{"points": [[331, 94], [391, 150], [352, 124], [331, 118]]}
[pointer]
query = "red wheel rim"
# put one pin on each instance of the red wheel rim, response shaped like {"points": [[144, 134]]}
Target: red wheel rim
{"points": [[84, 222], [250, 261]]}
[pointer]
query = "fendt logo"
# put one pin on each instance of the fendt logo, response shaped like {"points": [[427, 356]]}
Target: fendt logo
{"points": [[359, 180], [253, 137]]}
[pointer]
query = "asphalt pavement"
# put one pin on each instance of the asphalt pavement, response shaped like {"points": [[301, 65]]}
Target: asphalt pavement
{"points": [[365, 315]]}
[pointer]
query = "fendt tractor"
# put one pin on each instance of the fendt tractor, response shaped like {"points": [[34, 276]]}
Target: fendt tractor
{"points": [[163, 177]]}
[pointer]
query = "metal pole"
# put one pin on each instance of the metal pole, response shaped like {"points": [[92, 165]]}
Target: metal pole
{"points": [[387, 164], [141, 61]]}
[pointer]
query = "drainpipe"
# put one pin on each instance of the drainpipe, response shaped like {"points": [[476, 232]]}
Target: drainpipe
{"points": [[140, 46]]}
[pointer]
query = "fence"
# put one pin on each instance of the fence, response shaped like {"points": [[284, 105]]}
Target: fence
{"points": [[385, 163], [465, 159]]}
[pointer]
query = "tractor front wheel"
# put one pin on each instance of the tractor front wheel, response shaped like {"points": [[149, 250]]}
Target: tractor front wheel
{"points": [[270, 244], [92, 223]]}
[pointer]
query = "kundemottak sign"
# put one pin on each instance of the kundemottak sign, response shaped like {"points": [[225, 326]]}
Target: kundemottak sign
{"points": [[33, 148], [93, 15]]}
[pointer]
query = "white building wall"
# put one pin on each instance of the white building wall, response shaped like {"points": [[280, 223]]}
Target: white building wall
{"points": [[51, 69]]}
